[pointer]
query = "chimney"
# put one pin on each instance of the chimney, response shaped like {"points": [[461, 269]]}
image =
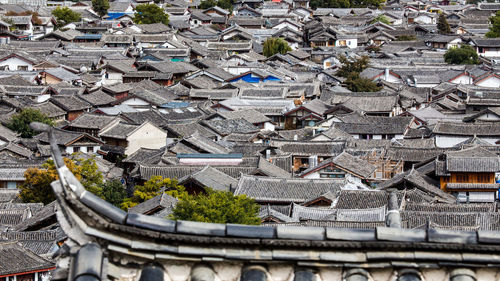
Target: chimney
{"points": [[386, 75], [415, 80], [268, 154], [393, 215]]}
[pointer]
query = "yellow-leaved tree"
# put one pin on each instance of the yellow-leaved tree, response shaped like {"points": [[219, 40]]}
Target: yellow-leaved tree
{"points": [[36, 187], [153, 187]]}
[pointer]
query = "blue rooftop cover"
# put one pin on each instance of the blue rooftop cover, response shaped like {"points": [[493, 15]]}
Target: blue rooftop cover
{"points": [[175, 104]]}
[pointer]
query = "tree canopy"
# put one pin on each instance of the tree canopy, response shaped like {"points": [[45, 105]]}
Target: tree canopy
{"points": [[20, 122], [36, 187], [216, 207], [224, 4], [356, 83], [382, 19], [330, 4], [113, 192], [274, 46], [465, 54], [351, 69], [153, 187], [100, 7], [494, 27], [442, 25], [345, 3], [150, 13], [65, 15], [352, 65]]}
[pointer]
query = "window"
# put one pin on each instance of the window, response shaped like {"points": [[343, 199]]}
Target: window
{"points": [[332, 176], [76, 149], [22, 67], [462, 178], [90, 149], [11, 185], [483, 178]]}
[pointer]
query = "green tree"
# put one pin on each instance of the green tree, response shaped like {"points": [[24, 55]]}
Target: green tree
{"points": [[442, 25], [225, 4], [113, 192], [349, 66], [153, 187], [494, 27], [150, 13], [206, 4], [465, 54], [20, 122], [356, 83], [382, 19], [406, 38], [366, 3], [345, 3], [275, 45], [217, 207], [65, 15], [100, 7], [36, 188]]}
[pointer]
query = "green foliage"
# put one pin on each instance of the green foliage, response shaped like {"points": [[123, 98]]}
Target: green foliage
{"points": [[372, 49], [275, 45], [217, 207], [150, 13], [442, 25], [65, 15], [382, 19], [494, 27], [20, 122], [205, 4], [11, 23], [345, 3], [36, 187], [113, 192], [100, 7], [224, 4], [153, 187], [464, 55], [329, 4], [356, 83], [350, 66], [406, 38]]}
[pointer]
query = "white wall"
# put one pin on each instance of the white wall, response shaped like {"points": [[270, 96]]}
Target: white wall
{"points": [[491, 82], [351, 43], [450, 141], [147, 136], [268, 126], [14, 63], [70, 149], [464, 80], [285, 24], [492, 53], [488, 117], [425, 19], [454, 43], [112, 78], [138, 104]]}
